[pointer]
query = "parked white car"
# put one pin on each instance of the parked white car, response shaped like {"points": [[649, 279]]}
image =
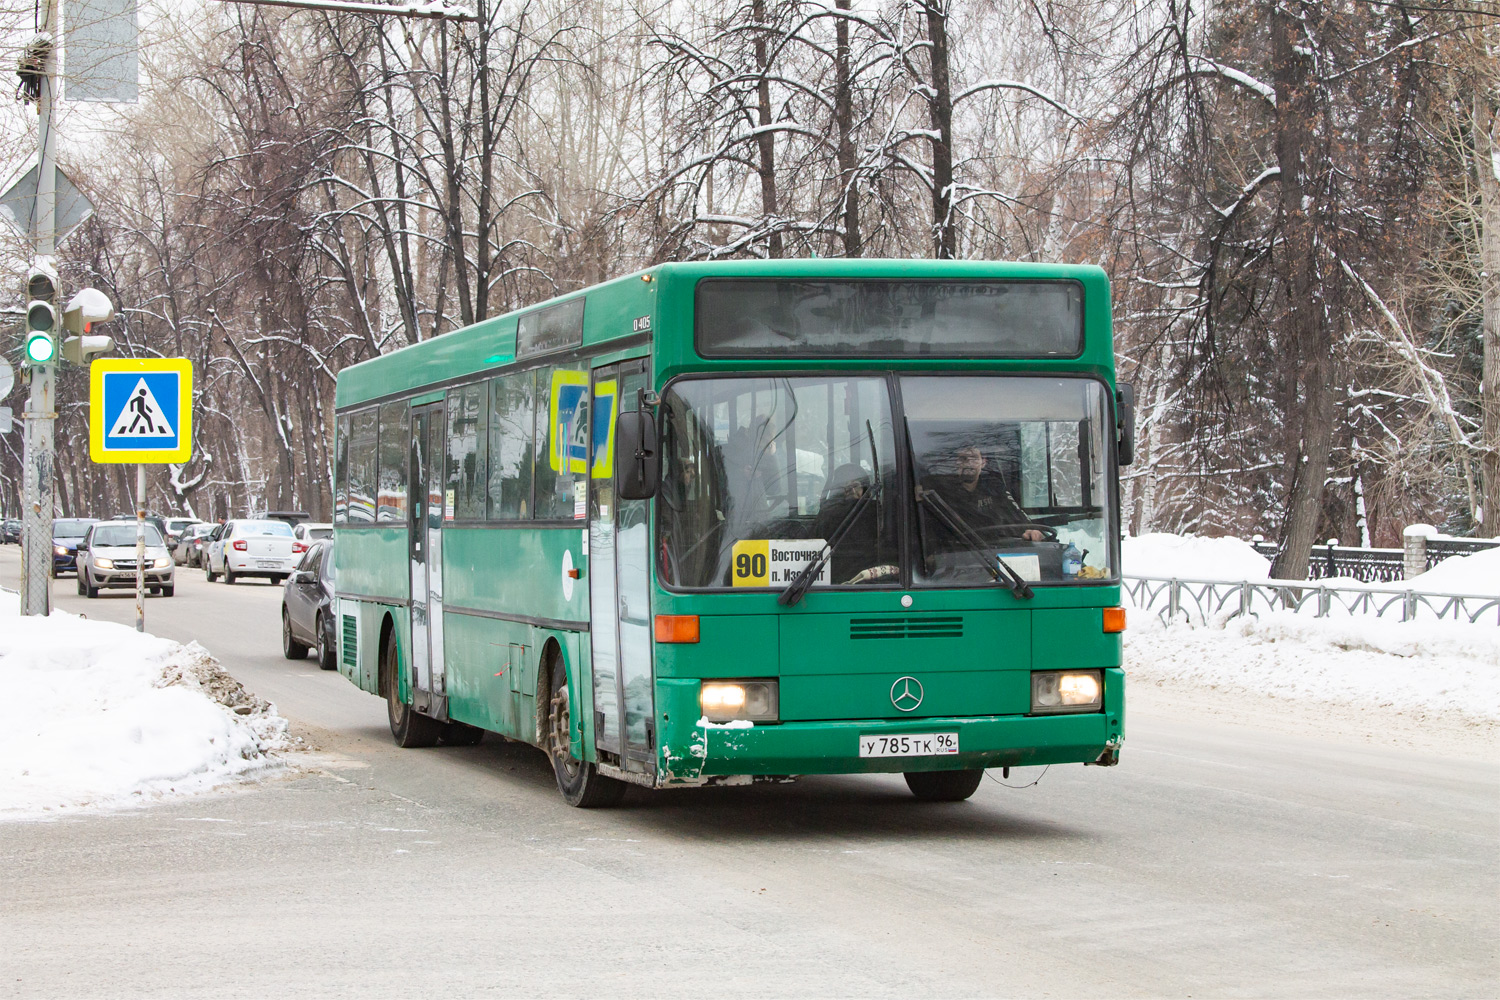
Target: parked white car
{"points": [[106, 558], [251, 548], [311, 531]]}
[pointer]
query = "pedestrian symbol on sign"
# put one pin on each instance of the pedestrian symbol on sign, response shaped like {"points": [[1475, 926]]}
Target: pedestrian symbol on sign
{"points": [[142, 415]]}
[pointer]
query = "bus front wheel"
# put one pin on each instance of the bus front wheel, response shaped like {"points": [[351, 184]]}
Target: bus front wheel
{"points": [[409, 727], [944, 786], [579, 781]]}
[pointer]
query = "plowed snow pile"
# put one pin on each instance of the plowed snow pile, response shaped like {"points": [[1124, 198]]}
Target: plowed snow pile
{"points": [[96, 715], [1446, 669]]}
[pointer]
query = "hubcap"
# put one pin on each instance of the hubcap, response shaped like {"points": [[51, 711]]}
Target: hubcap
{"points": [[558, 738]]}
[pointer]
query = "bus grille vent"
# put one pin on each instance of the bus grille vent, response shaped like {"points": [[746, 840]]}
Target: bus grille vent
{"points": [[903, 627], [351, 641]]}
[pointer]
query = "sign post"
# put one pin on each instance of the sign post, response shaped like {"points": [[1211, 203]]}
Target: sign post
{"points": [[141, 411]]}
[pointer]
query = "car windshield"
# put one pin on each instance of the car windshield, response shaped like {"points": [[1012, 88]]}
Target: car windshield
{"points": [[179, 524], [70, 529], [272, 528], [1009, 468], [319, 532], [761, 474], [108, 535]]}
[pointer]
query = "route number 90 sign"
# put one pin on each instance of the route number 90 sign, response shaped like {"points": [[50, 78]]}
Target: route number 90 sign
{"points": [[775, 562]]}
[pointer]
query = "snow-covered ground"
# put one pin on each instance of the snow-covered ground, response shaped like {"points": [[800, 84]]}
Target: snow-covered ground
{"points": [[1438, 682], [97, 716]]}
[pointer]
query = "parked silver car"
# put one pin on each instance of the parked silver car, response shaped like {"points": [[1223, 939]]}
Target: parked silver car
{"points": [[106, 559]]}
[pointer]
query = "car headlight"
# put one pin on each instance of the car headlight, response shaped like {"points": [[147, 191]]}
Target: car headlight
{"points": [[732, 701], [104, 564], [59, 550], [162, 563], [1067, 691]]}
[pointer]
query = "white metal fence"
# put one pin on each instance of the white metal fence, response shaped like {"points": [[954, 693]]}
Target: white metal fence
{"points": [[1200, 600]]}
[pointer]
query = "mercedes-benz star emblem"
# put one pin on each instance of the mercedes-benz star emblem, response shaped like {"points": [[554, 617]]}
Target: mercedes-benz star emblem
{"points": [[906, 694]]}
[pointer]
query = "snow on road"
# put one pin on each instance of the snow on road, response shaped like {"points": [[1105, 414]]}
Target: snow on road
{"points": [[98, 716]]}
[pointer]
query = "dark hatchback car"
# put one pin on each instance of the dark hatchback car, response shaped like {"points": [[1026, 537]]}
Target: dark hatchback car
{"points": [[10, 531], [67, 532], [307, 608]]}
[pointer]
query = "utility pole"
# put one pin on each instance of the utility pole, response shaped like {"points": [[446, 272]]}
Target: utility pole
{"points": [[41, 408]]}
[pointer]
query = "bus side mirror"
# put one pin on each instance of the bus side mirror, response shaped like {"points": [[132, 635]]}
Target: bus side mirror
{"points": [[1125, 398], [637, 460]]}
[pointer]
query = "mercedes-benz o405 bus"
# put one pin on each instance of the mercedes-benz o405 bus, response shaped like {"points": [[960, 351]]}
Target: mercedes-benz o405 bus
{"points": [[715, 522]]}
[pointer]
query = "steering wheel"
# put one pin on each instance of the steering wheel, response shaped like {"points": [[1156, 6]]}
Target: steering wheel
{"points": [[1049, 533]]}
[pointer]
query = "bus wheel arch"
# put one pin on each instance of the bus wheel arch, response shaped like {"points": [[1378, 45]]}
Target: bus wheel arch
{"points": [[579, 781], [387, 632], [409, 728]]}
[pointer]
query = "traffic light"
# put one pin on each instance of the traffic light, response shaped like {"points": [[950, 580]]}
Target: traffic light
{"points": [[41, 318], [86, 308]]}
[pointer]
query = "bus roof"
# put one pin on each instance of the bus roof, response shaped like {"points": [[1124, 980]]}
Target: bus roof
{"points": [[616, 308]]}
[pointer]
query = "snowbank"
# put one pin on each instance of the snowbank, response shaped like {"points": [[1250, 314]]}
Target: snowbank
{"points": [[1445, 667], [1189, 557], [96, 715], [1472, 574]]}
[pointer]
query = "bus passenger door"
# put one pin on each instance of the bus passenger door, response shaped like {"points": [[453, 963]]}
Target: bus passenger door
{"points": [[620, 586], [425, 525]]}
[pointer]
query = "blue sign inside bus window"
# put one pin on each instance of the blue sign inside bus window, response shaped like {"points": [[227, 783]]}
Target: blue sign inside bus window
{"points": [[571, 414]]}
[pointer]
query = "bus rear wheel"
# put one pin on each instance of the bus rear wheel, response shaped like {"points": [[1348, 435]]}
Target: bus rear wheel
{"points": [[944, 786], [580, 782], [409, 727]]}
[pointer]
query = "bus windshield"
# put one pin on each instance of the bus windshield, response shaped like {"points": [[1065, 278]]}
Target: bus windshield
{"points": [[759, 473], [753, 464], [1013, 466]]}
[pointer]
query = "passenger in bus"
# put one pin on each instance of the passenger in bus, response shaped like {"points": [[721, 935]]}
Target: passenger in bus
{"points": [[978, 496], [859, 556]]}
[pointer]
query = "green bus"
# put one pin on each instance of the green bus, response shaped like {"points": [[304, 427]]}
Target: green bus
{"points": [[721, 522]]}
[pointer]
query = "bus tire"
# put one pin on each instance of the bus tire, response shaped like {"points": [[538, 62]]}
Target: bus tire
{"points": [[581, 784], [409, 727], [944, 786]]}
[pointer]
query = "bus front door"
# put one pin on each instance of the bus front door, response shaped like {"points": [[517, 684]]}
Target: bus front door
{"points": [[425, 540], [620, 588]]}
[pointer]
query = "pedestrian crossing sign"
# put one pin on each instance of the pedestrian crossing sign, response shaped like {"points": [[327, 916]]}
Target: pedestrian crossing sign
{"points": [[141, 410]]}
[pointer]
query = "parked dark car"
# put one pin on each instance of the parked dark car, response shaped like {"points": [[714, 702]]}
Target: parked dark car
{"points": [[67, 532], [10, 531], [307, 608], [190, 546]]}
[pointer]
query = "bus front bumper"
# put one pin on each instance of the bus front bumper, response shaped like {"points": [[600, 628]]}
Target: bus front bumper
{"points": [[692, 751]]}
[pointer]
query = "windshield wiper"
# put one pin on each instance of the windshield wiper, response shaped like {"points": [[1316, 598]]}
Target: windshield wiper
{"points": [[804, 580], [999, 570]]}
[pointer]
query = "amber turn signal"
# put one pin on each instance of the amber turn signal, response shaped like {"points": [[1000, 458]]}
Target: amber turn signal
{"points": [[1114, 619], [676, 628]]}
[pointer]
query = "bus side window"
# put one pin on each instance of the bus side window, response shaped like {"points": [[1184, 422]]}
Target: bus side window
{"points": [[468, 422], [562, 426], [391, 473], [512, 415], [341, 471], [362, 437]]}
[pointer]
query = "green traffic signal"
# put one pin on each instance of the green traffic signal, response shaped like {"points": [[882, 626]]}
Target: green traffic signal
{"points": [[41, 332]]}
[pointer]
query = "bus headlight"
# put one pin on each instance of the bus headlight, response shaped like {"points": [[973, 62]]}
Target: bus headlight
{"points": [[731, 701], [1067, 691]]}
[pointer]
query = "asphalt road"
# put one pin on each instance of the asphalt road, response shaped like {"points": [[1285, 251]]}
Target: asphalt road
{"points": [[1216, 860]]}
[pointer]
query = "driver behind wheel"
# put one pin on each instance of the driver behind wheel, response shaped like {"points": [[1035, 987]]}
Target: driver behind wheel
{"points": [[979, 497]]}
